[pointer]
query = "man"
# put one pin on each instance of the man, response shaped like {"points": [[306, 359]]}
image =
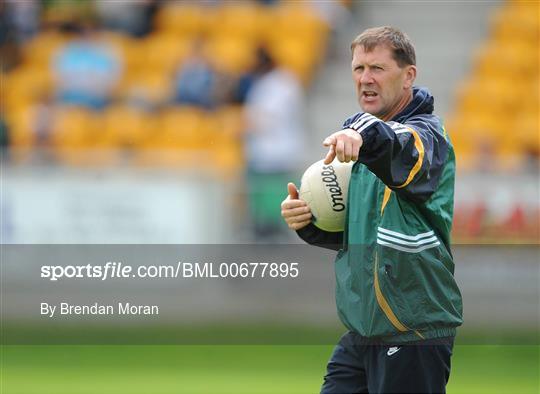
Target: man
{"points": [[274, 136], [395, 289]]}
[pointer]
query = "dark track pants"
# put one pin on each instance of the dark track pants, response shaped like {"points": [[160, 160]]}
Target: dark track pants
{"points": [[357, 367]]}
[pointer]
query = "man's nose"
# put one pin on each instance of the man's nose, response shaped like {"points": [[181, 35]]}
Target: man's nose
{"points": [[366, 77]]}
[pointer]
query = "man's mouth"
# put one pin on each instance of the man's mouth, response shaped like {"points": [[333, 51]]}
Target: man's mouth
{"points": [[369, 96], [369, 93]]}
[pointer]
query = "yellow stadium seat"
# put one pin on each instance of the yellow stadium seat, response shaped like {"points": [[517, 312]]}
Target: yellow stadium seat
{"points": [[480, 125], [164, 52], [224, 130], [503, 57], [524, 14], [181, 139], [39, 50], [125, 127], [467, 98], [73, 127], [230, 121], [182, 19], [153, 87], [24, 85], [180, 128], [497, 106], [21, 127], [240, 20], [231, 54], [531, 91], [489, 94], [296, 56], [74, 135], [297, 38], [130, 50], [299, 20], [229, 157]]}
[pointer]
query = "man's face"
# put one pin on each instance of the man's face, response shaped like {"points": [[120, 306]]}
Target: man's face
{"points": [[381, 85]]}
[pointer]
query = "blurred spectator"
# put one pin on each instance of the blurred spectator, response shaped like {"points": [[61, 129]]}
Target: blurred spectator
{"points": [[140, 98], [24, 15], [274, 142], [43, 120], [86, 70], [196, 80], [4, 135], [242, 88], [9, 50], [57, 12], [133, 17]]}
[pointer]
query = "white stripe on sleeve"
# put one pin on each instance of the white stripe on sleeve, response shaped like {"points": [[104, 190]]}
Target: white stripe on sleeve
{"points": [[366, 125], [404, 236], [407, 243], [360, 120], [406, 249], [363, 119]]}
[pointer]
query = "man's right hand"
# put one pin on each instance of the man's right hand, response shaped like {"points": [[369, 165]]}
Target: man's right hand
{"points": [[295, 211]]}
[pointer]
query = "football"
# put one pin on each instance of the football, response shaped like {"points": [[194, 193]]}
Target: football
{"points": [[324, 187]]}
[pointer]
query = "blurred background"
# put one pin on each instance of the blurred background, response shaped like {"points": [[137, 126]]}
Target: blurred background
{"points": [[203, 110], [180, 122]]}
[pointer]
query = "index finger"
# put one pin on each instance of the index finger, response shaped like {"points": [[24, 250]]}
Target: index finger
{"points": [[331, 155]]}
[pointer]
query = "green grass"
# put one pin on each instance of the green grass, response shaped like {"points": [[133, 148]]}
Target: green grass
{"points": [[233, 369], [478, 369]]}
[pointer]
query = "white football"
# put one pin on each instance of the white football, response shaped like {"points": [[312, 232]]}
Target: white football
{"points": [[324, 187]]}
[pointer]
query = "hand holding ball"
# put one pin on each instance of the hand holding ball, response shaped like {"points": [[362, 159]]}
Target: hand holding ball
{"points": [[295, 212]]}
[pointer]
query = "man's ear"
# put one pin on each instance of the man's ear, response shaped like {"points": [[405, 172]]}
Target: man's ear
{"points": [[410, 76]]}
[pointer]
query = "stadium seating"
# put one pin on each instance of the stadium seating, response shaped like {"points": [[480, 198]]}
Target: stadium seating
{"points": [[125, 127], [497, 106], [22, 135], [140, 118], [181, 19]]}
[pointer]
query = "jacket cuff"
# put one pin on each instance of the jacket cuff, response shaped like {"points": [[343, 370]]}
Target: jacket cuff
{"points": [[308, 233]]}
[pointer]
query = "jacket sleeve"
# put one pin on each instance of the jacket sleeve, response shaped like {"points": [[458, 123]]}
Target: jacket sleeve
{"points": [[325, 239], [408, 158]]}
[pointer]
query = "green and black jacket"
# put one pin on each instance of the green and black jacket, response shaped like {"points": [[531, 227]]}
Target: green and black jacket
{"points": [[394, 269]]}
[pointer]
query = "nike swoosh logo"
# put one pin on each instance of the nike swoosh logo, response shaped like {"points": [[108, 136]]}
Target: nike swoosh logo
{"points": [[392, 350]]}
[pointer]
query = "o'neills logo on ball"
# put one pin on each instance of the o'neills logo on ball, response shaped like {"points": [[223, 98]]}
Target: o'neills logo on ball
{"points": [[329, 178]]}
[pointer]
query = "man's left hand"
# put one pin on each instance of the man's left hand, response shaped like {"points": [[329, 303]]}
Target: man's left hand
{"points": [[345, 144]]}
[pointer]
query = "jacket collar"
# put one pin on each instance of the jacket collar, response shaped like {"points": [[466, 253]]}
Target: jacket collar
{"points": [[422, 103]]}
